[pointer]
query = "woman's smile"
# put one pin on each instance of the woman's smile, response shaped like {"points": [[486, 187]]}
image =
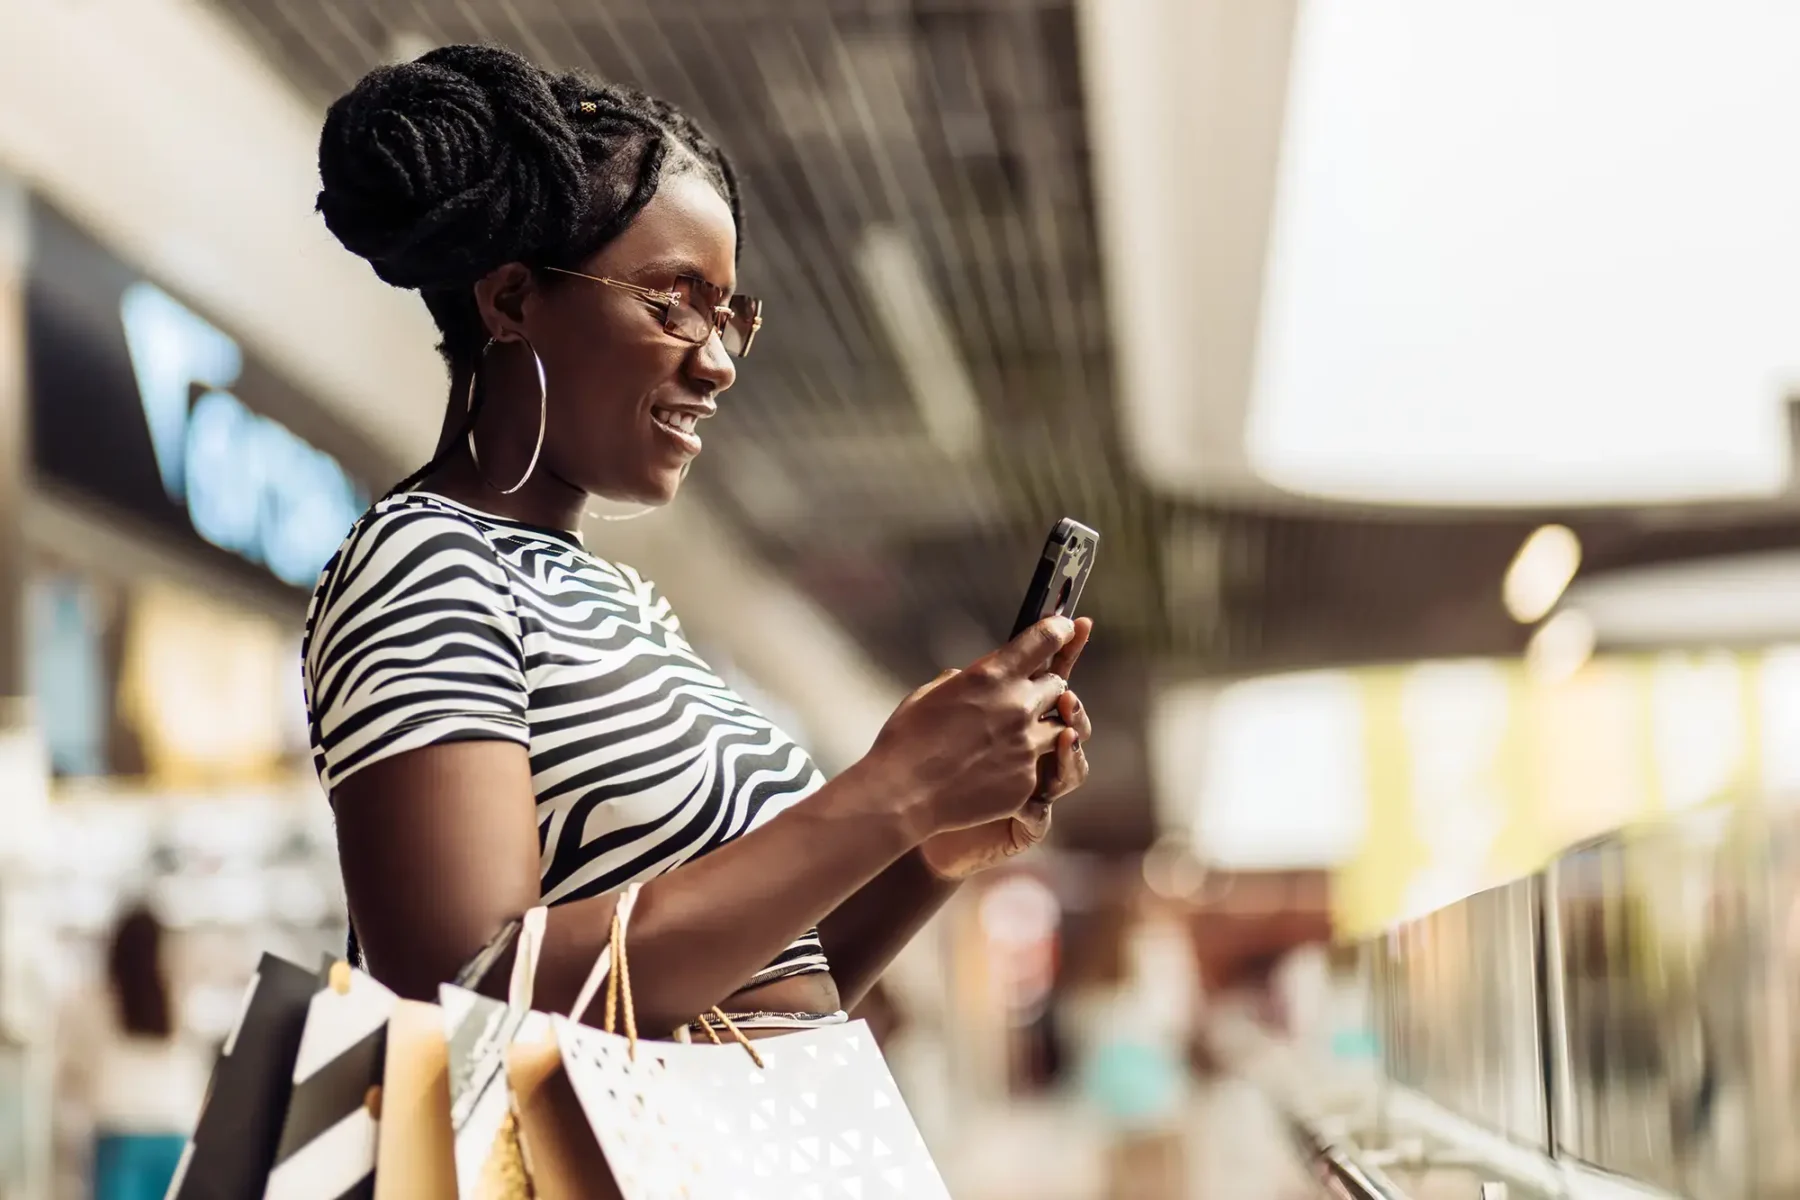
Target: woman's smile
{"points": [[679, 424]]}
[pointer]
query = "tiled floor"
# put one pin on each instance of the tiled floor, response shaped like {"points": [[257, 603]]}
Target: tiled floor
{"points": [[1230, 1147]]}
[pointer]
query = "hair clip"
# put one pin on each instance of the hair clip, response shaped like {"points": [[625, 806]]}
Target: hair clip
{"points": [[589, 108]]}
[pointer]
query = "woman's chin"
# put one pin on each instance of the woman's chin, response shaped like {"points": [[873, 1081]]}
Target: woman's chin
{"points": [[654, 491], [665, 486]]}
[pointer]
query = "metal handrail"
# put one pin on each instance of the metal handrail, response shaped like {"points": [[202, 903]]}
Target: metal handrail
{"points": [[1353, 1180]]}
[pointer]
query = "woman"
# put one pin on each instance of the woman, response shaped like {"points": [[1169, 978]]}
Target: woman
{"points": [[502, 718]]}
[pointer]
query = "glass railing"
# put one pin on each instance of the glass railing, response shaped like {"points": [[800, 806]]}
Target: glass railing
{"points": [[1631, 1015]]}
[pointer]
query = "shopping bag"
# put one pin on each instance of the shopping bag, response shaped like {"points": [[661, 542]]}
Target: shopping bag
{"points": [[811, 1115], [488, 1159], [414, 1158], [234, 1142], [327, 1147], [562, 1157]]}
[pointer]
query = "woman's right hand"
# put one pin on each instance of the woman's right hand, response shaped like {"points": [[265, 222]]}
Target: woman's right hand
{"points": [[969, 743]]}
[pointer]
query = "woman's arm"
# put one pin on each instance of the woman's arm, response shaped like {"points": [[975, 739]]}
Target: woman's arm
{"points": [[439, 846], [864, 933]]}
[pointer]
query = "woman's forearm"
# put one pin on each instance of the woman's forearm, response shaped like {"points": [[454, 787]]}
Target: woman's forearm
{"points": [[700, 933], [865, 932]]}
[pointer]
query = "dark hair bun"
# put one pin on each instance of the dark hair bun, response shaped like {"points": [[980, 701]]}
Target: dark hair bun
{"points": [[437, 171]]}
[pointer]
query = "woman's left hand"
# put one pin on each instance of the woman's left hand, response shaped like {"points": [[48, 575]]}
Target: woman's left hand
{"points": [[960, 853]]}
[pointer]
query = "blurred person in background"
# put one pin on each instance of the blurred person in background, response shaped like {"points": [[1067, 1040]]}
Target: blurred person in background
{"points": [[1244, 930], [1134, 1021], [503, 718], [140, 1083], [1148, 976]]}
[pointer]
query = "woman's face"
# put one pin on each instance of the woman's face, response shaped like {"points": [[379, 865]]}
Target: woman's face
{"points": [[627, 400]]}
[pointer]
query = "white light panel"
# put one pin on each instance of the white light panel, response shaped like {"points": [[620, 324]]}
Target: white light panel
{"points": [[1533, 252], [1271, 770]]}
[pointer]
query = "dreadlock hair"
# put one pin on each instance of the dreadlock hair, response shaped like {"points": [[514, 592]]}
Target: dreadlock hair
{"points": [[439, 170]]}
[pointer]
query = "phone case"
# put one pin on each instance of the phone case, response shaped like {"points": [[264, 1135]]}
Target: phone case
{"points": [[1061, 573]]}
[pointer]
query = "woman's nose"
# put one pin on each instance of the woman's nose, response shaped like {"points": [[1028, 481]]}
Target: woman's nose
{"points": [[710, 366]]}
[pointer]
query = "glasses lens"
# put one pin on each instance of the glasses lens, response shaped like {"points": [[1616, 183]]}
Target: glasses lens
{"points": [[690, 318], [704, 310], [741, 325]]}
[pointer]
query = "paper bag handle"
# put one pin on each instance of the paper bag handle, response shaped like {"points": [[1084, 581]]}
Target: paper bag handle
{"points": [[618, 986], [475, 971], [602, 965], [525, 959]]}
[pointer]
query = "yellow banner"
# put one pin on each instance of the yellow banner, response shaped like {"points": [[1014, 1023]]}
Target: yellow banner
{"points": [[1478, 773]]}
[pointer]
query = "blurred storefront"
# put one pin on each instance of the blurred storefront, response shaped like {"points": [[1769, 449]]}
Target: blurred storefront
{"points": [[181, 500], [1421, 783]]}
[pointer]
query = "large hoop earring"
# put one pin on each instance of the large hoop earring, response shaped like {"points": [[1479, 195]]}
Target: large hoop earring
{"points": [[543, 415]]}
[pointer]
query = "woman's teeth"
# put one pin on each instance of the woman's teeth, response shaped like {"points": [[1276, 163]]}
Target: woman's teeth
{"points": [[682, 422]]}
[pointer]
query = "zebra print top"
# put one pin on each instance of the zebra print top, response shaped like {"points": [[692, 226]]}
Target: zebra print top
{"points": [[437, 623]]}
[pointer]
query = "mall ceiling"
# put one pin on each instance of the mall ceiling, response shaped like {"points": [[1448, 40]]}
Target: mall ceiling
{"points": [[958, 127]]}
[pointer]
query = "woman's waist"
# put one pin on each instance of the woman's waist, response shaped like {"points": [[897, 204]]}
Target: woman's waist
{"points": [[809, 990], [757, 1026], [804, 1000]]}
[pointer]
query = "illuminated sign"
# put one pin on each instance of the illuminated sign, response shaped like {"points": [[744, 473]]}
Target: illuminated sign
{"points": [[249, 484], [142, 404]]}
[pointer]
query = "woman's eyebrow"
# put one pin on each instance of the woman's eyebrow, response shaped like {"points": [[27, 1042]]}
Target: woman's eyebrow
{"points": [[674, 266]]}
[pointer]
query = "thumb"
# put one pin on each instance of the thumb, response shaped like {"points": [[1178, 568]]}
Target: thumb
{"points": [[1031, 651]]}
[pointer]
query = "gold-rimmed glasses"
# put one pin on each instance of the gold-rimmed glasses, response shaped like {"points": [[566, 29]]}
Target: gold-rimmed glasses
{"points": [[695, 310]]}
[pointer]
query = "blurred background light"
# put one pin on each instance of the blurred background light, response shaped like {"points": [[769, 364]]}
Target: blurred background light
{"points": [[1540, 572], [1281, 778], [1731, 600], [1698, 725], [1172, 870], [1501, 275], [1561, 646]]}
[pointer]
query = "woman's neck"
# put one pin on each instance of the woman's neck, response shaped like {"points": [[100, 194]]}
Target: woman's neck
{"points": [[544, 501]]}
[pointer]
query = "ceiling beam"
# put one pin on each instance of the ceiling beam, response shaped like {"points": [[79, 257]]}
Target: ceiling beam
{"points": [[1185, 105]]}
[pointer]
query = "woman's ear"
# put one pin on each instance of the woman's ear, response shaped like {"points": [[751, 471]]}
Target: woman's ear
{"points": [[500, 295]]}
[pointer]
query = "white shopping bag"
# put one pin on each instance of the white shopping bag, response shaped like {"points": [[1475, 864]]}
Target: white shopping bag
{"points": [[821, 1119], [812, 1115]]}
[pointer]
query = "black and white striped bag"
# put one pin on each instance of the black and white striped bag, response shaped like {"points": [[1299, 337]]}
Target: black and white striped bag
{"points": [[240, 1125], [327, 1147]]}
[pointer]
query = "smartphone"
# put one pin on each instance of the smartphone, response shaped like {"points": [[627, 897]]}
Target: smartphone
{"points": [[1061, 573]]}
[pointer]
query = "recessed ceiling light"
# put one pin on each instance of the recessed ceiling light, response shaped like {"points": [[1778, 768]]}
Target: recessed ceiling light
{"points": [[1540, 573]]}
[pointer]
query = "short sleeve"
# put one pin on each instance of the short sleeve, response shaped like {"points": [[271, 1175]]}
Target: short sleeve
{"points": [[412, 640]]}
